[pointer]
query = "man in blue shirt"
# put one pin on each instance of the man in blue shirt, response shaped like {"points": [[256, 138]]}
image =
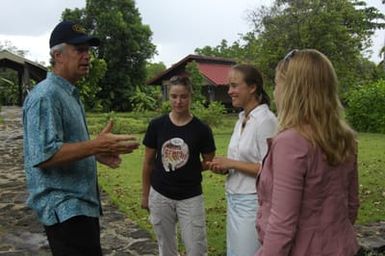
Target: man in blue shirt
{"points": [[59, 157]]}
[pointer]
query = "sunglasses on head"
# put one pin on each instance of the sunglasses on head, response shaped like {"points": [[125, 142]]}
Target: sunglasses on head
{"points": [[175, 79], [290, 54]]}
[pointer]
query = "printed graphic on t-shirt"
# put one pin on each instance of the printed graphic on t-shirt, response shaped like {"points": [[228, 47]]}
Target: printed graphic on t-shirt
{"points": [[175, 154]]}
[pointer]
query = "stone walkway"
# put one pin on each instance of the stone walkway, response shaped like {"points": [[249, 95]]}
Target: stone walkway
{"points": [[20, 232]]}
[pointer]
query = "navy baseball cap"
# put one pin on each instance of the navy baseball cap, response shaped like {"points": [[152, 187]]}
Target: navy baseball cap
{"points": [[71, 33]]}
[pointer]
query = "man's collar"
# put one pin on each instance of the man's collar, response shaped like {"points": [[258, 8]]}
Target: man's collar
{"points": [[66, 85]]}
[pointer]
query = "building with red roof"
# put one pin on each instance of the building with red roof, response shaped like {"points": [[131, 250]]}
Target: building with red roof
{"points": [[214, 71]]}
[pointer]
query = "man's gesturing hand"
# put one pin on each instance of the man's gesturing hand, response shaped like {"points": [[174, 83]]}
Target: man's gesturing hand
{"points": [[108, 143]]}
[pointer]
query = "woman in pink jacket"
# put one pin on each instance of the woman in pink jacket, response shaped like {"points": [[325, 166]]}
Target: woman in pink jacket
{"points": [[308, 187]]}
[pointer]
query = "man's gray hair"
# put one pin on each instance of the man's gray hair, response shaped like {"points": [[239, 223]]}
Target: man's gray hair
{"points": [[55, 48]]}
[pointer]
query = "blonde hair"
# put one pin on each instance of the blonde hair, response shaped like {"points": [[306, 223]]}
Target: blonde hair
{"points": [[310, 104]]}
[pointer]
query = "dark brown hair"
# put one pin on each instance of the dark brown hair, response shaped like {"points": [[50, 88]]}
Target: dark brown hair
{"points": [[252, 76]]}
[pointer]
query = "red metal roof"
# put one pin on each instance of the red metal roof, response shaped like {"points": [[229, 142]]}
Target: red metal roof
{"points": [[215, 73], [214, 69]]}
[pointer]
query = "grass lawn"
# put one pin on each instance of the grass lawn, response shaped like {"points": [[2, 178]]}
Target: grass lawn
{"points": [[124, 186], [371, 167]]}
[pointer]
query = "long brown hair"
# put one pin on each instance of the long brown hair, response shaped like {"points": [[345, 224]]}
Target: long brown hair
{"points": [[310, 104]]}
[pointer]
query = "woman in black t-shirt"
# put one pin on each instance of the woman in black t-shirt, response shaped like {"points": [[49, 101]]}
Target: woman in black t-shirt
{"points": [[172, 173]]}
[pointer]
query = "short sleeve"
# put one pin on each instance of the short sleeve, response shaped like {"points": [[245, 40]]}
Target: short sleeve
{"points": [[266, 130], [208, 143], [150, 137], [44, 135]]}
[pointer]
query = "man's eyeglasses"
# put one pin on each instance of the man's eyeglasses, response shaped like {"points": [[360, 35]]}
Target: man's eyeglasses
{"points": [[290, 55]]}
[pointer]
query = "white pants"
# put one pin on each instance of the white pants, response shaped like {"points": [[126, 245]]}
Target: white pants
{"points": [[242, 238], [164, 214]]}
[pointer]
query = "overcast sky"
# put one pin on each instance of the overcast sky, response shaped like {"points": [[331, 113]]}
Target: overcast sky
{"points": [[178, 26]]}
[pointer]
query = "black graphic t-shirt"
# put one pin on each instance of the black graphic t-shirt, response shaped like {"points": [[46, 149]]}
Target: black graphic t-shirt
{"points": [[178, 171]]}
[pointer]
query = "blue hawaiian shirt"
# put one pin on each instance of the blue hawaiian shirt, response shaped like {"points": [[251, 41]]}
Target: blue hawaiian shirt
{"points": [[53, 115]]}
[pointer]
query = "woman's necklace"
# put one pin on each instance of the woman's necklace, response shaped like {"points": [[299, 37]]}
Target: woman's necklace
{"points": [[247, 117], [244, 121]]}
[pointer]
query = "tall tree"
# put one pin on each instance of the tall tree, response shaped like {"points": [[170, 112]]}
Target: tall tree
{"points": [[242, 50], [90, 85], [154, 69], [125, 46], [341, 29], [222, 50]]}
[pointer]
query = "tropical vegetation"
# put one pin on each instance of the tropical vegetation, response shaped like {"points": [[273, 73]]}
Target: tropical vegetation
{"points": [[125, 47]]}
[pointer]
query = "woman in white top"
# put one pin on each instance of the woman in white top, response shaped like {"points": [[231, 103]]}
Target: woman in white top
{"points": [[247, 148]]}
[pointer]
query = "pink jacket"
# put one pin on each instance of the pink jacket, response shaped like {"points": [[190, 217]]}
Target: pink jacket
{"points": [[307, 207]]}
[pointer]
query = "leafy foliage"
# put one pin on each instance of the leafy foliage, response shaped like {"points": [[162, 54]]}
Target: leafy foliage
{"points": [[366, 108], [142, 101], [341, 29], [148, 98], [154, 69], [212, 115], [125, 46], [9, 88], [90, 85], [234, 51], [197, 81], [123, 123], [165, 107]]}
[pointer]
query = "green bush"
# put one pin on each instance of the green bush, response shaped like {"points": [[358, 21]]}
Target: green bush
{"points": [[142, 101], [211, 115], [129, 126], [227, 124], [9, 89], [366, 108], [123, 123], [165, 107]]}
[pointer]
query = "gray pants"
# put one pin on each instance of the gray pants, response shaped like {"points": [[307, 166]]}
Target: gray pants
{"points": [[164, 214]]}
